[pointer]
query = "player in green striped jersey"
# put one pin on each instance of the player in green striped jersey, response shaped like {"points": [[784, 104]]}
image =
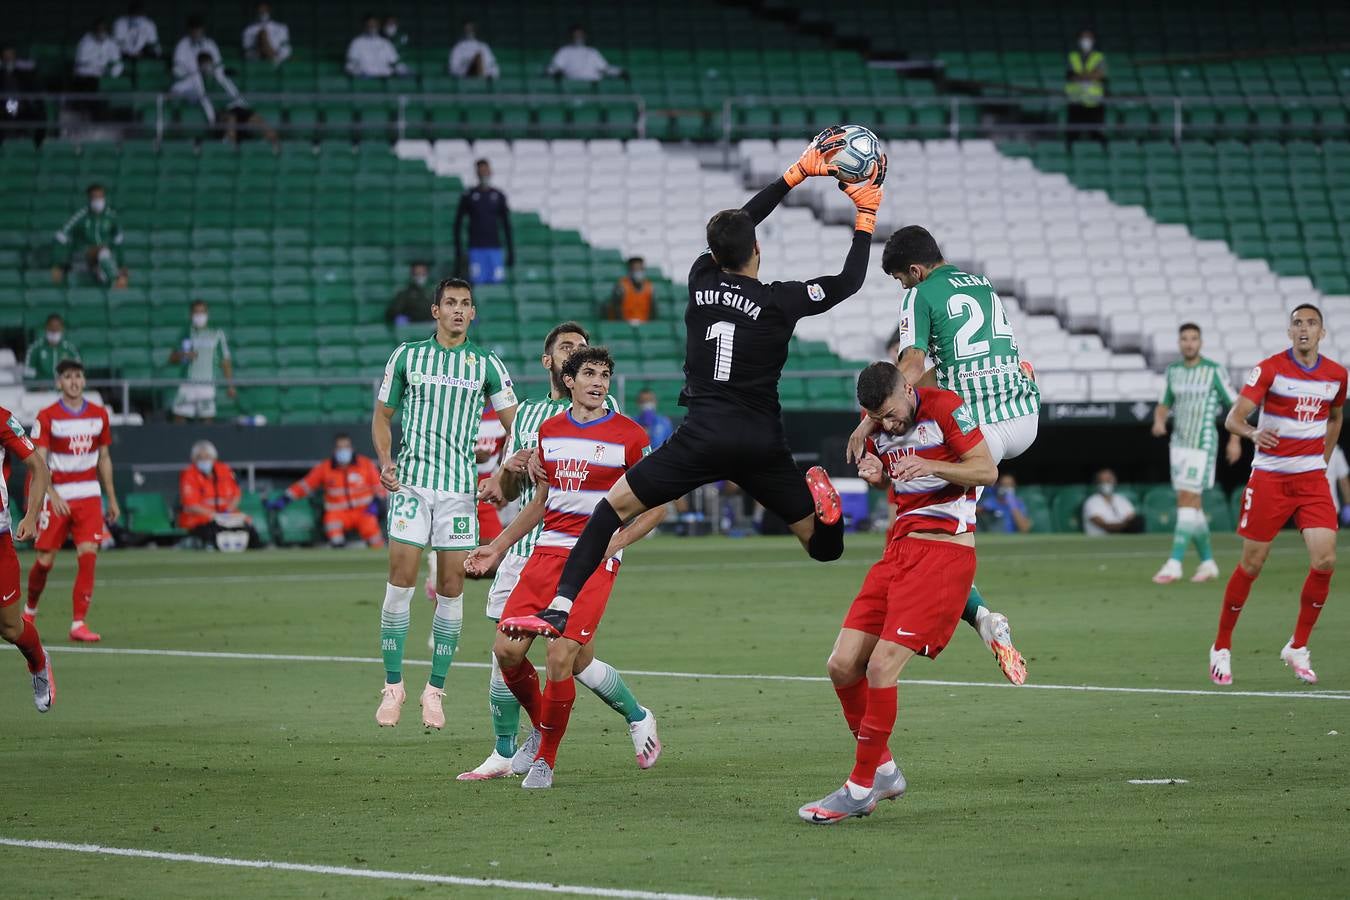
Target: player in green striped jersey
{"points": [[1195, 393], [957, 320], [439, 385], [512, 481]]}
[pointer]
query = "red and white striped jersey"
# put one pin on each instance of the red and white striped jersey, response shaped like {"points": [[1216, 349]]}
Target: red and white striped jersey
{"points": [[943, 429], [1295, 404], [73, 439], [12, 440], [583, 461], [491, 439]]}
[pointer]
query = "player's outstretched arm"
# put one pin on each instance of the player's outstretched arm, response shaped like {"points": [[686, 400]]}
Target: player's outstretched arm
{"points": [[636, 530], [812, 162]]}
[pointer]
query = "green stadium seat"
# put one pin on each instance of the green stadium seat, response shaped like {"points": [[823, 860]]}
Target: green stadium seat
{"points": [[148, 513]]}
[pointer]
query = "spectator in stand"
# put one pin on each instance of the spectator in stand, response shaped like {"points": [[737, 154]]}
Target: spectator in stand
{"points": [[209, 497], [489, 228], [96, 56], [472, 58], [658, 426], [187, 51], [1085, 89], [633, 299], [1002, 510], [1106, 512], [413, 302], [389, 28], [93, 229], [46, 351], [267, 39], [198, 352], [372, 55], [19, 76], [576, 61], [351, 494], [136, 34], [238, 114]]}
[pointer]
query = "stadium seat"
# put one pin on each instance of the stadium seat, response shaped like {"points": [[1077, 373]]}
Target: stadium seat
{"points": [[147, 513]]}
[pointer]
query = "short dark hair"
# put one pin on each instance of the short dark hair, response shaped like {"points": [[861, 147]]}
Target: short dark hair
{"points": [[196, 302], [94, 186], [1188, 326], [56, 316], [908, 246], [594, 355], [195, 21], [69, 365], [876, 383], [341, 436], [565, 328], [481, 161], [446, 283], [731, 238], [635, 259], [1311, 306]]}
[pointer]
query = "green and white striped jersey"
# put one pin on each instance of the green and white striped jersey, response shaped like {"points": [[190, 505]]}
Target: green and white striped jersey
{"points": [[441, 393], [958, 320], [211, 348], [525, 436], [1196, 394]]}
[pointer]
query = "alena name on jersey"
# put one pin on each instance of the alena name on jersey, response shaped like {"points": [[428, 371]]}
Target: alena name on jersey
{"points": [[964, 280], [728, 298]]}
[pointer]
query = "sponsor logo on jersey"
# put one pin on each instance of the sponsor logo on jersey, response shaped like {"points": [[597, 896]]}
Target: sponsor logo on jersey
{"points": [[571, 473], [1308, 408], [961, 415], [815, 292], [81, 443], [1254, 376], [893, 458], [417, 379], [460, 524]]}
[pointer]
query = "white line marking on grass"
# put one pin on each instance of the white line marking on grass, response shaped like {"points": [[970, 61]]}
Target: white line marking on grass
{"points": [[816, 679], [1157, 781], [344, 871]]}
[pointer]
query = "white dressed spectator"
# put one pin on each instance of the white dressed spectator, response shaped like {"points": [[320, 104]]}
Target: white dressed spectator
{"points": [[97, 54], [136, 33], [266, 38], [371, 55], [578, 62], [393, 34], [471, 58], [1106, 512], [185, 53]]}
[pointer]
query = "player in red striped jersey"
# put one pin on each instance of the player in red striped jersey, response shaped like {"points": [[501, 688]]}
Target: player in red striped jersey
{"points": [[14, 628], [584, 452], [930, 449], [72, 436], [1301, 394]]}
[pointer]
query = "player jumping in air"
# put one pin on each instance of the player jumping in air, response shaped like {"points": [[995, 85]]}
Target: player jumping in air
{"points": [[584, 452], [1301, 394], [929, 445], [440, 385], [14, 628], [738, 331], [513, 482], [1196, 389], [72, 437], [956, 318]]}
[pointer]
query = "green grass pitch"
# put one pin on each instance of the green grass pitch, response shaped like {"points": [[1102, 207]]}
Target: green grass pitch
{"points": [[1013, 792]]}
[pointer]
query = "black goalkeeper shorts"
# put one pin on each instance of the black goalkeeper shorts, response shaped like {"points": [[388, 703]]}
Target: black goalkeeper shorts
{"points": [[750, 451]]}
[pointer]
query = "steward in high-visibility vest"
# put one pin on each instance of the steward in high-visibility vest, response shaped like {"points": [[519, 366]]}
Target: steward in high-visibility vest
{"points": [[351, 487], [1085, 82], [633, 299]]}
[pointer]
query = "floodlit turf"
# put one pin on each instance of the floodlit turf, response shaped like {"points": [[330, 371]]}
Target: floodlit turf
{"points": [[1012, 791]]}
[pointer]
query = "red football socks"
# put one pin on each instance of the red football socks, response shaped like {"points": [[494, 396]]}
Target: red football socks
{"points": [[873, 734], [1314, 597], [84, 586], [558, 699], [30, 645], [853, 698], [1234, 597], [37, 580], [523, 682]]}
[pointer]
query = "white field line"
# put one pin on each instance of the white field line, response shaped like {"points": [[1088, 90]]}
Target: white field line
{"points": [[916, 682], [1157, 781], [345, 872]]}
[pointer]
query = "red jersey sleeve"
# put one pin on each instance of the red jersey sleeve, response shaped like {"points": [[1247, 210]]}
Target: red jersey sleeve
{"points": [[1258, 382], [13, 438], [42, 429], [105, 437], [636, 445], [1339, 400], [959, 429]]}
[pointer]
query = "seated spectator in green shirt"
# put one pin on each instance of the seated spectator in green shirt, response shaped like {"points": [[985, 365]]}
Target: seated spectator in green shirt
{"points": [[95, 231], [46, 350], [413, 302]]}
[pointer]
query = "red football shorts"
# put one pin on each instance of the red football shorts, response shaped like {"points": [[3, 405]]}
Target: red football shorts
{"points": [[489, 523], [84, 524], [9, 571], [337, 522], [538, 585], [915, 594], [1272, 497]]}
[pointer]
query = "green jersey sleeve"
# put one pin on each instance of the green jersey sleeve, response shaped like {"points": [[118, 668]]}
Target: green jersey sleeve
{"points": [[1167, 399], [1223, 388], [923, 322], [395, 378], [498, 386]]}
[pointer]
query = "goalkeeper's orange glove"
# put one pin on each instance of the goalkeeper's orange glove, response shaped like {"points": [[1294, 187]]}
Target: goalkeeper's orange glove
{"points": [[815, 159], [866, 196]]}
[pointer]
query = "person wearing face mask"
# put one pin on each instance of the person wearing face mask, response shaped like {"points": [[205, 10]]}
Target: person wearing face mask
{"points": [[491, 248], [658, 426], [371, 54], [1106, 512], [189, 47], [198, 352], [266, 38], [209, 496], [351, 494], [136, 34], [96, 56], [633, 298], [239, 116], [1085, 89], [413, 302], [576, 61], [1003, 510], [95, 232], [393, 34], [45, 351], [472, 58]]}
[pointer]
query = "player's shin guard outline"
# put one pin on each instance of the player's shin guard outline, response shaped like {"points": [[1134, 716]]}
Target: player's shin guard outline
{"points": [[446, 624], [589, 551], [395, 615]]}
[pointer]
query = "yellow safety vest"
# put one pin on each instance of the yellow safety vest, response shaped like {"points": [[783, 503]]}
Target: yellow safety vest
{"points": [[1085, 92]]}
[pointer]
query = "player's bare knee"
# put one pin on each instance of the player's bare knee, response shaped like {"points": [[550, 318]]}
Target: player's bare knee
{"points": [[562, 656], [46, 559], [11, 631], [509, 653], [1324, 560], [844, 670]]}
